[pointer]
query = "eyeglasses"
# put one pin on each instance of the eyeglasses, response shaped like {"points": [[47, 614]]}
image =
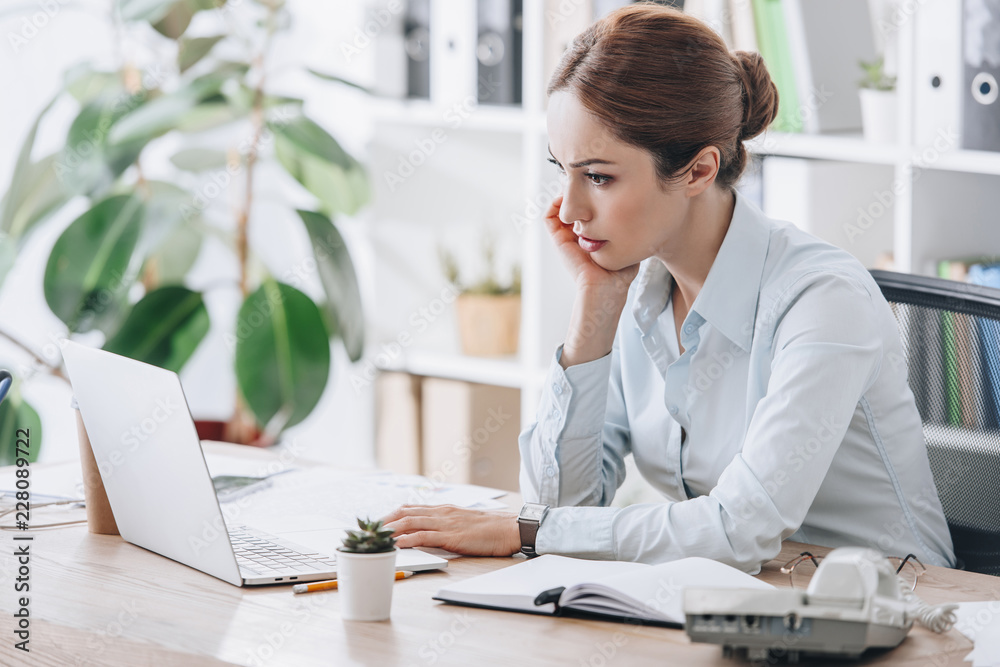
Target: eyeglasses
{"points": [[801, 569]]}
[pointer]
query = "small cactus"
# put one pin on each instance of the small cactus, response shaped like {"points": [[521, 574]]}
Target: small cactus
{"points": [[371, 539]]}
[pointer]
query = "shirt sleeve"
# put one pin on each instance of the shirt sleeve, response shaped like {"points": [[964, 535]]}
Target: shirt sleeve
{"points": [[574, 454], [826, 352]]}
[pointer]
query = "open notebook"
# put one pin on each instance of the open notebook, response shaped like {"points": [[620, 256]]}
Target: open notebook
{"points": [[612, 589]]}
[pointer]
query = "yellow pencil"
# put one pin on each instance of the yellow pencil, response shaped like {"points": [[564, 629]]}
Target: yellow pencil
{"points": [[332, 584]]}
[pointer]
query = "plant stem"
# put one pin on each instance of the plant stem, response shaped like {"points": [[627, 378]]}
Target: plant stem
{"points": [[55, 370], [241, 423]]}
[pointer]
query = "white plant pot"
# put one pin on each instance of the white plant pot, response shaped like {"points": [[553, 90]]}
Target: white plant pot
{"points": [[365, 583], [878, 115]]}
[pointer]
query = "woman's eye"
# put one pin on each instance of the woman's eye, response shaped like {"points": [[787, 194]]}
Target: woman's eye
{"points": [[599, 179], [558, 166]]}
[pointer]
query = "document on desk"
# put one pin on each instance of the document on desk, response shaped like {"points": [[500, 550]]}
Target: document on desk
{"points": [[314, 506], [611, 589], [980, 622], [53, 481]]}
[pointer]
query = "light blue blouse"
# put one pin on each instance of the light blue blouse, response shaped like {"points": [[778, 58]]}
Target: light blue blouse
{"points": [[797, 419]]}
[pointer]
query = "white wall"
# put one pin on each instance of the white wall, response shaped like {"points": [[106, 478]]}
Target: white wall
{"points": [[30, 74]]}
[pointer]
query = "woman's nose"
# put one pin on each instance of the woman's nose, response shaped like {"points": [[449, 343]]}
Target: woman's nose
{"points": [[574, 205]]}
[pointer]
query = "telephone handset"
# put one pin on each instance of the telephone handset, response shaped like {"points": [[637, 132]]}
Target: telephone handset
{"points": [[854, 602]]}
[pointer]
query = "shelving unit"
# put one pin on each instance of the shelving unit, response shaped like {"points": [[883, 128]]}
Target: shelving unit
{"points": [[492, 167]]}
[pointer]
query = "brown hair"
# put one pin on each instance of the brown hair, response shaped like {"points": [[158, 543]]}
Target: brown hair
{"points": [[665, 82]]}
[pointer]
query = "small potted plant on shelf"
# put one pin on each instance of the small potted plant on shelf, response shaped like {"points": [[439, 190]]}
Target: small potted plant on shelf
{"points": [[878, 102], [488, 312], [366, 569]]}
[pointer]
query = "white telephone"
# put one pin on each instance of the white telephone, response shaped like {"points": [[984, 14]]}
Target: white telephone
{"points": [[854, 602]]}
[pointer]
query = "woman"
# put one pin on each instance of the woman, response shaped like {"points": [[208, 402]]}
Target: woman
{"points": [[753, 371]]}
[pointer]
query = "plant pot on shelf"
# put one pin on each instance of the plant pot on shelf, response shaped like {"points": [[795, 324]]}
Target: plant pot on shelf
{"points": [[489, 325], [365, 583], [878, 115]]}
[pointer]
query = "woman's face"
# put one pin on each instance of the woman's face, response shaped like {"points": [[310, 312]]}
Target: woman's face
{"points": [[611, 194]]}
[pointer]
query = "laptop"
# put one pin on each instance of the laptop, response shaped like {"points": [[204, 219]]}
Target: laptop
{"points": [[159, 486]]}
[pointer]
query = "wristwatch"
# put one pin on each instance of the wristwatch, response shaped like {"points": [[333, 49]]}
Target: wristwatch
{"points": [[527, 523]]}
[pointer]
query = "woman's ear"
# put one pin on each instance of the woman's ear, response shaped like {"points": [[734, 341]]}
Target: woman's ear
{"points": [[702, 171]]}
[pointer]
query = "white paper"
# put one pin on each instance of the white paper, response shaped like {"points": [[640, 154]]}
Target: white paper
{"points": [[49, 482], [980, 622]]}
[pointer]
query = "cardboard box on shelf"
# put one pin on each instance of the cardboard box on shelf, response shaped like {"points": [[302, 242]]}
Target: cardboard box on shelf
{"points": [[397, 425], [469, 433]]}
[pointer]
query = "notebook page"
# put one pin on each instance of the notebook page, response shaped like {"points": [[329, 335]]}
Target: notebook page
{"points": [[516, 587], [658, 590]]}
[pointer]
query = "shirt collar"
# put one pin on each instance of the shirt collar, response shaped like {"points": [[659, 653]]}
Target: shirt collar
{"points": [[728, 299]]}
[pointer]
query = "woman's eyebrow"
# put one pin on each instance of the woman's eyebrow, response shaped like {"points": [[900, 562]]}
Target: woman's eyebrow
{"points": [[582, 163]]}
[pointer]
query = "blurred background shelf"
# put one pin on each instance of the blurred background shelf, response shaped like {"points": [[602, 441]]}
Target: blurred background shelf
{"points": [[501, 371]]}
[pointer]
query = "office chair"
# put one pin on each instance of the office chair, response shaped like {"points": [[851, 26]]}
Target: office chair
{"points": [[951, 339]]}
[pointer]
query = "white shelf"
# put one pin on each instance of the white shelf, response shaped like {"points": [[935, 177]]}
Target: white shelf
{"points": [[976, 162], [848, 147], [853, 148], [500, 371]]}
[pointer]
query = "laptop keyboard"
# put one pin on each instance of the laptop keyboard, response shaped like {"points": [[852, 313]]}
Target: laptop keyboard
{"points": [[264, 554]]}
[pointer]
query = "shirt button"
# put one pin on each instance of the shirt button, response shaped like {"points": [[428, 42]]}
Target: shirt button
{"points": [[672, 409], [555, 413], [557, 388], [550, 472], [688, 328]]}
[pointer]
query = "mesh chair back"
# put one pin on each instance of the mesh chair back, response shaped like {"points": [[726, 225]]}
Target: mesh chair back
{"points": [[951, 338]]}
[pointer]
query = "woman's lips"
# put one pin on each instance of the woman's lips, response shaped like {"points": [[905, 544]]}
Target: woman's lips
{"points": [[590, 245]]}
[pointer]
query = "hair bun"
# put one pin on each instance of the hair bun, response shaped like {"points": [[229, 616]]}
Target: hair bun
{"points": [[760, 95]]}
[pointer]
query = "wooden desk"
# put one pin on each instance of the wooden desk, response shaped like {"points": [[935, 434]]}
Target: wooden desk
{"points": [[97, 600]]}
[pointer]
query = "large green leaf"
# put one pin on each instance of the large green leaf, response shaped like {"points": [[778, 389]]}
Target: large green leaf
{"points": [[40, 194], [190, 51], [315, 159], [87, 275], [282, 353], [86, 84], [336, 273], [164, 211], [175, 21], [12, 220], [199, 159], [159, 116], [208, 115], [173, 258], [164, 328], [305, 135], [89, 163], [242, 98], [16, 414]]}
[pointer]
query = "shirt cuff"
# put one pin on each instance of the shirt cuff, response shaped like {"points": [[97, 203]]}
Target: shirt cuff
{"points": [[587, 385], [580, 532]]}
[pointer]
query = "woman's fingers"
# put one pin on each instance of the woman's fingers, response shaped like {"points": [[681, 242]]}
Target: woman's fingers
{"points": [[410, 524], [409, 510], [423, 538]]}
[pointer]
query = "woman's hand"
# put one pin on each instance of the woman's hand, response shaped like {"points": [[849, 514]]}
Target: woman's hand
{"points": [[586, 273], [600, 295], [456, 529]]}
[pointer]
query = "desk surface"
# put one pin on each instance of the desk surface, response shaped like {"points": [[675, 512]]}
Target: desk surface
{"points": [[97, 600]]}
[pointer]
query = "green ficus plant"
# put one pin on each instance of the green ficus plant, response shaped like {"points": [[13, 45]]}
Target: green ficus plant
{"points": [[120, 266], [371, 538]]}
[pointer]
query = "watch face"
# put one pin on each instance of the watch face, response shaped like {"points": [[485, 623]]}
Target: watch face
{"points": [[532, 512]]}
